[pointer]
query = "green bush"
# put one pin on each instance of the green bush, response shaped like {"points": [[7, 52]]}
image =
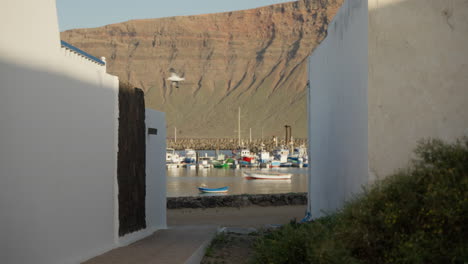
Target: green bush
{"points": [[418, 215]]}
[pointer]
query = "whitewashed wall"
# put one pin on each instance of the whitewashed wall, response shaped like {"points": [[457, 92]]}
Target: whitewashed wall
{"points": [[338, 110], [418, 77], [58, 143], [29, 32], [57, 166], [156, 171], [398, 68]]}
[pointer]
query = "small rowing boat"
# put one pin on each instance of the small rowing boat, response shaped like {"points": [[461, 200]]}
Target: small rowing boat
{"points": [[260, 175], [213, 190]]}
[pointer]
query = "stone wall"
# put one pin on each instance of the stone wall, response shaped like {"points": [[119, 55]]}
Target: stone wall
{"points": [[237, 200], [228, 143]]}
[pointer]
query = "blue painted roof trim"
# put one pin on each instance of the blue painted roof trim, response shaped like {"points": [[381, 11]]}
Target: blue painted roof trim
{"points": [[77, 50]]}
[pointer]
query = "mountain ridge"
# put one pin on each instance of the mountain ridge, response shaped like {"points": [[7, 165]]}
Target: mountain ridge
{"points": [[254, 59]]}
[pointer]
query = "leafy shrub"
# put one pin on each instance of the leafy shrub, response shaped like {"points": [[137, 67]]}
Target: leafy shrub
{"points": [[418, 215]]}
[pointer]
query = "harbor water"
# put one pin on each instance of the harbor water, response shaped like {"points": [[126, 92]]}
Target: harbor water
{"points": [[184, 182]]}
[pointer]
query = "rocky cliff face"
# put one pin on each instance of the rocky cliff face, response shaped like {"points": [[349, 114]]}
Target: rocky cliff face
{"points": [[254, 59]]}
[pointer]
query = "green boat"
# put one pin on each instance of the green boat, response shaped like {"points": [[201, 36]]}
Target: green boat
{"points": [[223, 164], [220, 165]]}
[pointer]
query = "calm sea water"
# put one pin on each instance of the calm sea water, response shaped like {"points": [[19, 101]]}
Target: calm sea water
{"points": [[184, 182]]}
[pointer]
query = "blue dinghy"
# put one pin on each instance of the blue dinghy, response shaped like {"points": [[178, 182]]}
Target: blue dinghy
{"points": [[213, 190]]}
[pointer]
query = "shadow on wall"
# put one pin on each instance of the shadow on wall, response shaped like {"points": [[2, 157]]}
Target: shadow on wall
{"points": [[57, 165]]}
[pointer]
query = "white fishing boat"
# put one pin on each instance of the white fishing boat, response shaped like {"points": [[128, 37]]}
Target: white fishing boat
{"points": [[171, 156], [204, 162], [300, 152], [246, 158], [190, 156], [219, 156], [266, 175], [264, 156], [281, 154], [244, 152]]}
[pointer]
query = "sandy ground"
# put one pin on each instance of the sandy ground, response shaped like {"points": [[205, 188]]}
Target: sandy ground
{"points": [[252, 216]]}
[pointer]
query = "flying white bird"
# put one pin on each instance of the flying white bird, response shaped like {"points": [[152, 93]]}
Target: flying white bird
{"points": [[175, 79]]}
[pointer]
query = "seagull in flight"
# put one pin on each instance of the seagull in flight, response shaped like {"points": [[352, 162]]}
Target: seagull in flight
{"points": [[175, 79]]}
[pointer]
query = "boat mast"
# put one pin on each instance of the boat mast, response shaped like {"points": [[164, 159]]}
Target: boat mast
{"points": [[238, 130], [250, 137], [175, 135]]}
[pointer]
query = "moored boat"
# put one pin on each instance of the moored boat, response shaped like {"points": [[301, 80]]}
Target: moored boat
{"points": [[261, 175], [264, 156], [213, 190], [218, 164], [190, 156], [281, 154], [204, 162], [286, 164], [172, 166], [298, 157], [275, 163], [171, 156]]}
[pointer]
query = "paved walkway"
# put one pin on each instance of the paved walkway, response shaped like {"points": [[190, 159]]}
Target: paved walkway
{"points": [[191, 230]]}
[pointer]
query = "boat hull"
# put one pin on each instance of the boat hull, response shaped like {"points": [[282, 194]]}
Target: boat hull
{"points": [[266, 176], [213, 190], [219, 165]]}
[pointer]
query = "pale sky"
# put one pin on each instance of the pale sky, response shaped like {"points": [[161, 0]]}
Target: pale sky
{"points": [[96, 13]]}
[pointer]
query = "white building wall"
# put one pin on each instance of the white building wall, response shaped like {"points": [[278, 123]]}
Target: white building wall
{"points": [[57, 166], [418, 77], [58, 143], [30, 32], [155, 170], [406, 62], [338, 110]]}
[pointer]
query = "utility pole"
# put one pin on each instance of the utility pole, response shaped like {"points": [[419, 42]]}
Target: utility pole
{"points": [[238, 129]]}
